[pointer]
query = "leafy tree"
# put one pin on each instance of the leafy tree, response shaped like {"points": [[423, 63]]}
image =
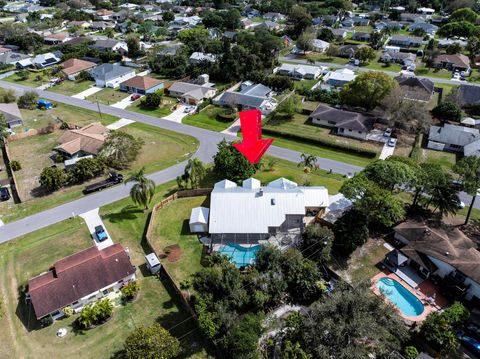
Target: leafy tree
{"points": [[316, 243], [168, 16], [367, 90], [242, 340], [468, 169], [332, 50], [121, 149], [152, 342], [305, 41], [347, 237], [365, 54], [308, 162], [133, 43], [231, 19], [454, 49], [88, 168], [88, 316], [290, 106], [8, 96], [326, 34], [350, 323], [195, 171], [458, 29], [52, 178], [439, 328], [147, 29], [152, 100], [419, 32], [143, 190], [294, 351], [301, 20], [129, 290], [230, 164], [196, 38], [212, 19], [447, 111], [390, 173], [279, 83], [464, 14], [28, 100], [109, 32]]}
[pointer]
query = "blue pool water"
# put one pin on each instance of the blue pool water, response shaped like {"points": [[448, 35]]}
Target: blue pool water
{"points": [[238, 255], [396, 293]]}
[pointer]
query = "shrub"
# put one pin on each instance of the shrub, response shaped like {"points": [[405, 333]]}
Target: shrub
{"points": [[47, 321], [87, 168], [68, 311], [410, 352], [52, 178], [151, 342], [152, 100], [447, 111], [28, 100], [9, 96], [104, 309], [129, 290], [15, 165]]}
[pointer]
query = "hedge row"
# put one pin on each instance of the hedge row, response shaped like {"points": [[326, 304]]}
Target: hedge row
{"points": [[316, 141]]}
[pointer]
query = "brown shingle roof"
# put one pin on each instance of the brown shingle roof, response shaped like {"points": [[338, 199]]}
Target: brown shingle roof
{"points": [[458, 60], [451, 246], [73, 66], [89, 139], [77, 276], [142, 82]]}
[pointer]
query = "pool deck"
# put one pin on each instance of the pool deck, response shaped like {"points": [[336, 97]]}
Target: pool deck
{"points": [[423, 292]]}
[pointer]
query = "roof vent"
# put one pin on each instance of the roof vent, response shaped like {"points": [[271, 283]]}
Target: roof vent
{"points": [[272, 201], [427, 232], [260, 192], [116, 259], [447, 253]]}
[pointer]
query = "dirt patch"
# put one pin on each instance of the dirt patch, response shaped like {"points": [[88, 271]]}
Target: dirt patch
{"points": [[174, 253]]}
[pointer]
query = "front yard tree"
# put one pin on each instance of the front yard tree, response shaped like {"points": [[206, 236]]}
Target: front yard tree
{"points": [[348, 237], [468, 170], [52, 178], [28, 100], [121, 149], [305, 41], [151, 342], [143, 190], [367, 90], [308, 162], [152, 100], [365, 54], [447, 111], [326, 34], [390, 173], [168, 16], [195, 171], [230, 164], [291, 105], [133, 43]]}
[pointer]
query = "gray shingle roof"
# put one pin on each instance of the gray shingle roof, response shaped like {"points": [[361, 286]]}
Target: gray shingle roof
{"points": [[107, 72], [416, 88], [468, 95], [343, 119], [454, 135]]}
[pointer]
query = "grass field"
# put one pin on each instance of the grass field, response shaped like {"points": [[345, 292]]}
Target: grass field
{"points": [[108, 96], [325, 58], [304, 85], [445, 159], [31, 80], [207, 118], [163, 110], [36, 252], [70, 88]]}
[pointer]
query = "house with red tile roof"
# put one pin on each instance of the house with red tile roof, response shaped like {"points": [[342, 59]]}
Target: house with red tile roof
{"points": [[79, 279], [141, 85], [73, 67]]}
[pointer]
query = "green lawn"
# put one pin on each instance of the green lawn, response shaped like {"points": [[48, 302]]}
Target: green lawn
{"points": [[380, 66], [34, 253], [445, 159], [207, 118], [325, 58], [31, 81], [108, 96], [70, 88], [163, 110], [304, 85], [424, 71]]}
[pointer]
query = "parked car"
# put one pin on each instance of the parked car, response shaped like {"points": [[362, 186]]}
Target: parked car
{"points": [[188, 109], [471, 344], [392, 142], [100, 233], [4, 194], [135, 97], [388, 132], [461, 205]]}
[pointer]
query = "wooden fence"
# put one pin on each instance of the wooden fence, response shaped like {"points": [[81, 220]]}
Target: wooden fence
{"points": [[11, 174], [34, 132]]}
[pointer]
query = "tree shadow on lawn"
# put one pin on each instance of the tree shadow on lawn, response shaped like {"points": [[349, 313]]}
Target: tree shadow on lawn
{"points": [[126, 213]]}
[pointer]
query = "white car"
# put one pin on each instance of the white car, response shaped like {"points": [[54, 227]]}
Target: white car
{"points": [[392, 142], [388, 132]]}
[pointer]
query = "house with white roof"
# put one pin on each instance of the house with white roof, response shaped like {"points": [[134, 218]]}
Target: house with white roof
{"points": [[320, 45], [199, 57], [299, 72], [339, 78], [252, 212]]}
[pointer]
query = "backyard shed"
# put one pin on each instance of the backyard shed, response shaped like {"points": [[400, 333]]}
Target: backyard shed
{"points": [[153, 263], [199, 220]]}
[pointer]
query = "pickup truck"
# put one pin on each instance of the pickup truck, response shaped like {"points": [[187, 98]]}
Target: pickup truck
{"points": [[112, 179]]}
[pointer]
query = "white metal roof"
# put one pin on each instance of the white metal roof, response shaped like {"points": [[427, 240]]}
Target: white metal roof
{"points": [[251, 209], [199, 215]]}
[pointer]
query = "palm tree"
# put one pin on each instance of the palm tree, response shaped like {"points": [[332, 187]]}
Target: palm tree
{"points": [[309, 162], [469, 171], [195, 171], [143, 190], [104, 309], [445, 199], [88, 316]]}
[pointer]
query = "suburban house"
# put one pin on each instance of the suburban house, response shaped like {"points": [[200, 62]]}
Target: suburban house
{"points": [[404, 58], [429, 29], [110, 45], [246, 24], [193, 93], [104, 14], [141, 85], [455, 138], [268, 25], [339, 78], [262, 212], [414, 88], [360, 21], [299, 72], [468, 96], [446, 254], [56, 38], [426, 11], [273, 16], [12, 58], [361, 36], [41, 61], [72, 67], [382, 25], [453, 62], [12, 114], [448, 42], [320, 45], [110, 75], [405, 41], [343, 123], [79, 279], [101, 25], [85, 141], [339, 34], [201, 57], [407, 17], [348, 51], [250, 96]]}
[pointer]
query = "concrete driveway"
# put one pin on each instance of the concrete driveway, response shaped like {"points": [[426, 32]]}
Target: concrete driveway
{"points": [[88, 92], [178, 114], [387, 151], [119, 124], [123, 104], [92, 219]]}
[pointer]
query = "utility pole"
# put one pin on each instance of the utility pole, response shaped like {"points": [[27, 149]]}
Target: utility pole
{"points": [[98, 104]]}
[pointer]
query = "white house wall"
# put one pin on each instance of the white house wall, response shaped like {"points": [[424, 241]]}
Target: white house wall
{"points": [[443, 268], [474, 289], [116, 82]]}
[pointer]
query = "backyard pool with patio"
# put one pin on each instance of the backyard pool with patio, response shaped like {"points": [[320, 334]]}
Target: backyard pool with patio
{"points": [[239, 255], [401, 297]]}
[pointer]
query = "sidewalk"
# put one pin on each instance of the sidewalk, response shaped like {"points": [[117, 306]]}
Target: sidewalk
{"points": [[233, 128], [123, 104], [387, 151], [119, 124], [92, 219], [178, 114], [88, 92]]}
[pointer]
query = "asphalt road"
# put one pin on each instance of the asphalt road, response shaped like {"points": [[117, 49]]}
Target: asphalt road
{"points": [[208, 147], [292, 58]]}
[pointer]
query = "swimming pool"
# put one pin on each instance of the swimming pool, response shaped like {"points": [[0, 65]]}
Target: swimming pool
{"points": [[400, 296], [238, 255]]}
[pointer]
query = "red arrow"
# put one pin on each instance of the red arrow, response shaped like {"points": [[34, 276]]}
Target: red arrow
{"points": [[252, 147]]}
